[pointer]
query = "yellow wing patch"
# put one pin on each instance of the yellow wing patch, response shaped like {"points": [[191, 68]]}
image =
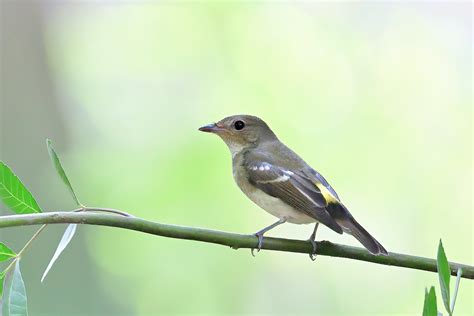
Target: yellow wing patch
{"points": [[326, 194]]}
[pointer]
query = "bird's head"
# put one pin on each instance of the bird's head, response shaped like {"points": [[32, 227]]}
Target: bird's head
{"points": [[241, 131]]}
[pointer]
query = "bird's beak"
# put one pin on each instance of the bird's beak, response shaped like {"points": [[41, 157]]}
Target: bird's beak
{"points": [[211, 128]]}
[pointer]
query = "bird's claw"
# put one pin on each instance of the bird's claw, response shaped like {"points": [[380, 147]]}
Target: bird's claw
{"points": [[312, 255], [259, 245]]}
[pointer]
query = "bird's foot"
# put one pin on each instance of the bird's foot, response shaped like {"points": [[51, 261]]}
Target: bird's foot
{"points": [[312, 255], [260, 243]]}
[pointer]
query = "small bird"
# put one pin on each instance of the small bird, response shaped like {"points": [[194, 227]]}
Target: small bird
{"points": [[279, 181]]}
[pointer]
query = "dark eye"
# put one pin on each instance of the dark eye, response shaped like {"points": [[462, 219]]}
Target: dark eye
{"points": [[239, 125]]}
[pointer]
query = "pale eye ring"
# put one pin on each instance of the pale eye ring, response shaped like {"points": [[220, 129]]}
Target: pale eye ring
{"points": [[239, 125]]}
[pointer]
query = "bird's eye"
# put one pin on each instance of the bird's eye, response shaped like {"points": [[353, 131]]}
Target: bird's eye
{"points": [[239, 125]]}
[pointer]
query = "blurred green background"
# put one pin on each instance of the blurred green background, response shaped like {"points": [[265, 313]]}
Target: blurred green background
{"points": [[376, 96]]}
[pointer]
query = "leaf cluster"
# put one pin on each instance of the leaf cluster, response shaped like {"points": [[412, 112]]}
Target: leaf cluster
{"points": [[430, 307], [18, 199]]}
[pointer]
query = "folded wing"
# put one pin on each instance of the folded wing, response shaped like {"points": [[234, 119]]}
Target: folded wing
{"points": [[292, 187]]}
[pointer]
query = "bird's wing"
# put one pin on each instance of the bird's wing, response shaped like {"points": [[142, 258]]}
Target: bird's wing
{"points": [[292, 187], [323, 181], [330, 196]]}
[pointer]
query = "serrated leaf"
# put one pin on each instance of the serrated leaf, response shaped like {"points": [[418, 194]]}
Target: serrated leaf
{"points": [[14, 299], [59, 168], [14, 194], [430, 307], [67, 237], [5, 252], [444, 274]]}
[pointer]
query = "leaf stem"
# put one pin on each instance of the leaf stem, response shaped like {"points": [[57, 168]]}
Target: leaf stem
{"points": [[25, 247]]}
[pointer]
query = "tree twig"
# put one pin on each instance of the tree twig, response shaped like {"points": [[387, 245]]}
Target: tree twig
{"points": [[25, 247], [232, 240], [102, 210]]}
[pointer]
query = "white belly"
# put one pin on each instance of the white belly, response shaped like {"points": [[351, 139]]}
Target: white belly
{"points": [[278, 208]]}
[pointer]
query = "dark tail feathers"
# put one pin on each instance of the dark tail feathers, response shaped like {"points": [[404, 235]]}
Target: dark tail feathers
{"points": [[351, 226]]}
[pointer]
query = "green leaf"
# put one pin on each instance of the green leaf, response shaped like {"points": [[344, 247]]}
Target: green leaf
{"points": [[2, 279], [14, 194], [67, 237], [59, 168], [456, 288], [430, 308], [6, 253], [14, 298], [444, 273]]}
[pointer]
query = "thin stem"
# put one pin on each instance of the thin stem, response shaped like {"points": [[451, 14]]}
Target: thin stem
{"points": [[235, 241], [26, 246]]}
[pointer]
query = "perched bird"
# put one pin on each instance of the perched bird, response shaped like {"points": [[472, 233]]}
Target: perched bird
{"points": [[279, 181]]}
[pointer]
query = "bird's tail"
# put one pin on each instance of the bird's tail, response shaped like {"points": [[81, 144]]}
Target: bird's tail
{"points": [[349, 225]]}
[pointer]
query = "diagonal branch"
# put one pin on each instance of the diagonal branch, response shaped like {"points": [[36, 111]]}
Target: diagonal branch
{"points": [[232, 240]]}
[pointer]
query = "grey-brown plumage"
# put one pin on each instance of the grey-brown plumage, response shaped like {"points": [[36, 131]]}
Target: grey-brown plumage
{"points": [[279, 181]]}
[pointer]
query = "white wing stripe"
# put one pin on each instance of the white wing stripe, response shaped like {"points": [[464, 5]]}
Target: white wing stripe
{"points": [[279, 179]]}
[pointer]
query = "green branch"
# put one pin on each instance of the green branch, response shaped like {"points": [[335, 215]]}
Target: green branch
{"points": [[232, 240]]}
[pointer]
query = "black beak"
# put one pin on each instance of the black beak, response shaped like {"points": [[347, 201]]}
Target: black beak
{"points": [[211, 128]]}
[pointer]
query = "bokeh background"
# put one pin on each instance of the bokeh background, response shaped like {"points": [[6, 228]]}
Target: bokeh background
{"points": [[376, 96]]}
